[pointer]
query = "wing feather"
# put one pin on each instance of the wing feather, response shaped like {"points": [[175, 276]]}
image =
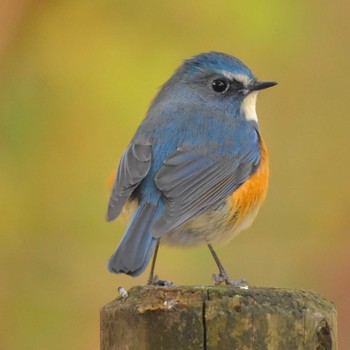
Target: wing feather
{"points": [[133, 167], [193, 183]]}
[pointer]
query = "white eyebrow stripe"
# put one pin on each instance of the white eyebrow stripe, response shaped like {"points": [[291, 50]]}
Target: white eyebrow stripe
{"points": [[244, 79]]}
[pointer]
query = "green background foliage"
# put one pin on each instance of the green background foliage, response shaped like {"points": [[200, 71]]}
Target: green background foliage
{"points": [[76, 78]]}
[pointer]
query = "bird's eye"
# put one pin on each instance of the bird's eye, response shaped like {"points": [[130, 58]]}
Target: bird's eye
{"points": [[220, 85]]}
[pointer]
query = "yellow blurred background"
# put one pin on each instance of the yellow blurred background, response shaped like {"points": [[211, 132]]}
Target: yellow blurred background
{"points": [[76, 78]]}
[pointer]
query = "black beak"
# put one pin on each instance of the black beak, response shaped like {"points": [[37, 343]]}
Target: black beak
{"points": [[260, 85]]}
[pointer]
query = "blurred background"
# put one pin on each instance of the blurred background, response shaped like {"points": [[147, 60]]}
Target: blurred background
{"points": [[76, 79]]}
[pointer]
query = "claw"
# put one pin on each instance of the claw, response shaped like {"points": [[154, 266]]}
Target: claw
{"points": [[160, 283], [223, 277], [164, 283]]}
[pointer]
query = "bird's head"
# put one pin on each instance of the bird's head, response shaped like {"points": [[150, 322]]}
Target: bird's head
{"points": [[219, 80]]}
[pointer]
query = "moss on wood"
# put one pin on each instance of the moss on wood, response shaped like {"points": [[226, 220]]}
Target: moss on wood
{"points": [[218, 317]]}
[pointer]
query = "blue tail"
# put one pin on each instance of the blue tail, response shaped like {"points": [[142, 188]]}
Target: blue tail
{"points": [[135, 250]]}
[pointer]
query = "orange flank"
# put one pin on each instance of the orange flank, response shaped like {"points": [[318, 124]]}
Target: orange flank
{"points": [[110, 180], [248, 198]]}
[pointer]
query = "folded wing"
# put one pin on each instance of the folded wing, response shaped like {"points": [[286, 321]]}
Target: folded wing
{"points": [[193, 183], [133, 167]]}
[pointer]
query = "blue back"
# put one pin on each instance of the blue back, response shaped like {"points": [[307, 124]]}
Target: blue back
{"points": [[194, 149]]}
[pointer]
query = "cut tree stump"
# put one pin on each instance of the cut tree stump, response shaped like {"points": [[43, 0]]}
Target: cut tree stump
{"points": [[218, 317]]}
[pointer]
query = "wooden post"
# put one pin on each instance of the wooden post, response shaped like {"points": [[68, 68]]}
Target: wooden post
{"points": [[218, 317]]}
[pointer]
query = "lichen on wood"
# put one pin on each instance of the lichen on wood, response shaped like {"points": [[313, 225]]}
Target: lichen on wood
{"points": [[218, 317]]}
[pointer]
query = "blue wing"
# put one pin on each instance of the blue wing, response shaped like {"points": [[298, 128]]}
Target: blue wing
{"points": [[193, 183], [133, 167]]}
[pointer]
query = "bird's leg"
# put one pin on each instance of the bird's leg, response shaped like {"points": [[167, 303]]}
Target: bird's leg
{"points": [[222, 273], [223, 276], [153, 279]]}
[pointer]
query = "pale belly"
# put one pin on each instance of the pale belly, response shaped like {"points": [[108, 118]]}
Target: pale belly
{"points": [[214, 226], [220, 225]]}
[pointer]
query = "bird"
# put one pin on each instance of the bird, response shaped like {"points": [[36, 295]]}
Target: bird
{"points": [[197, 169]]}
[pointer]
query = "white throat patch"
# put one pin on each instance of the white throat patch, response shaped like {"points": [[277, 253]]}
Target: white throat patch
{"points": [[249, 106]]}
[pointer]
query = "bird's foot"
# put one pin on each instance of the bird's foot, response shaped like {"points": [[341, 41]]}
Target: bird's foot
{"points": [[223, 277], [155, 281]]}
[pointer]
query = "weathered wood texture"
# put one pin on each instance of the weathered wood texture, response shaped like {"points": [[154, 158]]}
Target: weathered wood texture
{"points": [[218, 318]]}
